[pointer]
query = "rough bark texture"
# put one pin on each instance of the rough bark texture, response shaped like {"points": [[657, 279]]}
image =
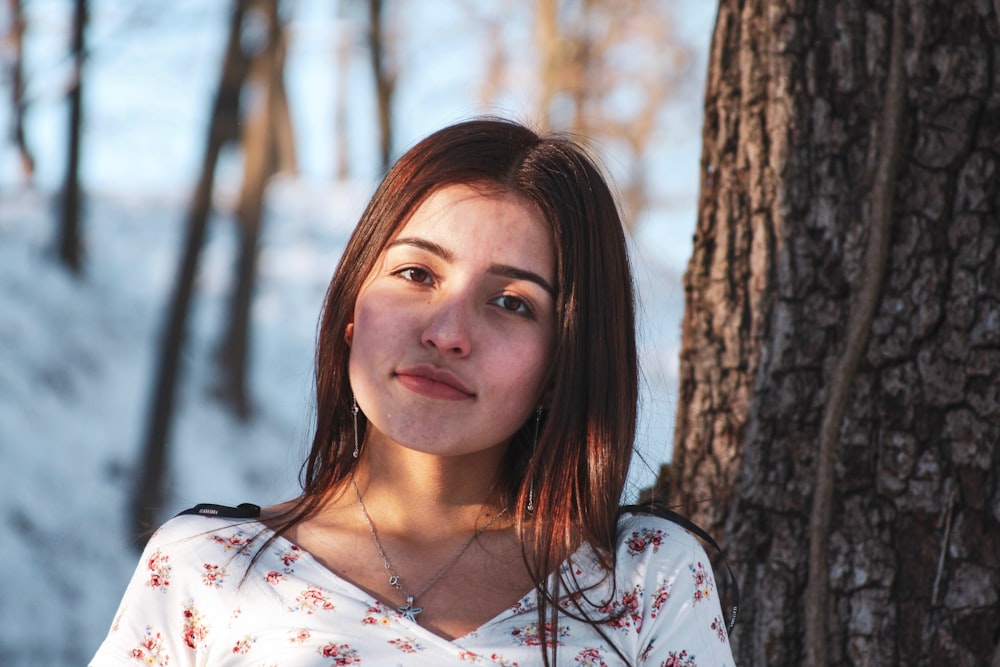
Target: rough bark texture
{"points": [[794, 114]]}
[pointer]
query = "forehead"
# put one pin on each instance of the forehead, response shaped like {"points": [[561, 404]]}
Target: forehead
{"points": [[476, 218]]}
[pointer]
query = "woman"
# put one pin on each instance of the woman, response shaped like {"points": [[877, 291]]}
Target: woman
{"points": [[476, 392]]}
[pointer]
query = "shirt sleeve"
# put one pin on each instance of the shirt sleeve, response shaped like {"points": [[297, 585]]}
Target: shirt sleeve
{"points": [[158, 622], [683, 624]]}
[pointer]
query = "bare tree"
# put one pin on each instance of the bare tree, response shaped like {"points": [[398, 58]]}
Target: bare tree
{"points": [[18, 104], [605, 70], [268, 147], [342, 99], [223, 129], [69, 242], [839, 418], [384, 74]]}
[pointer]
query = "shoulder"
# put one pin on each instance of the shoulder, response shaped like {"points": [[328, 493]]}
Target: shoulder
{"points": [[641, 534], [192, 533]]}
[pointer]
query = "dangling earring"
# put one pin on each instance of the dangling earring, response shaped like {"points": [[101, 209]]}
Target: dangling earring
{"points": [[354, 412], [534, 446]]}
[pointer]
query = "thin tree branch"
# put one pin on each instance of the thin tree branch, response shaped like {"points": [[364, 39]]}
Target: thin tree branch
{"points": [[862, 311]]}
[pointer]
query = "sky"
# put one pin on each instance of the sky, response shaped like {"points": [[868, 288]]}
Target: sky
{"points": [[76, 355]]}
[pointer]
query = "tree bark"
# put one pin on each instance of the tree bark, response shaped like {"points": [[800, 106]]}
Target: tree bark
{"points": [[797, 164], [148, 495], [70, 242]]}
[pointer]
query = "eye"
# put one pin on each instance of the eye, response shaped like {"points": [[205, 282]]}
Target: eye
{"points": [[513, 304], [415, 274]]}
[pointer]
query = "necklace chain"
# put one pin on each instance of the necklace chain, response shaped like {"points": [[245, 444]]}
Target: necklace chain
{"points": [[407, 609]]}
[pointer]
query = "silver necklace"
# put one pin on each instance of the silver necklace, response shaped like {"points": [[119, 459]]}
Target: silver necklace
{"points": [[407, 609]]}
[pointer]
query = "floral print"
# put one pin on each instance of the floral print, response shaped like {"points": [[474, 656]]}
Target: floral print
{"points": [[529, 635], [703, 582], [642, 539], [312, 599], [407, 644], [342, 654], [150, 649], [214, 575], [193, 600], [660, 597], [194, 629], [159, 571], [680, 659]]}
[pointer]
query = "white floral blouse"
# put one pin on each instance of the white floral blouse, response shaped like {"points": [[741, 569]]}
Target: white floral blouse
{"points": [[186, 605]]}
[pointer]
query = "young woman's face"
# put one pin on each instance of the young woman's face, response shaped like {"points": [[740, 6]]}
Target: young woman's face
{"points": [[454, 329]]}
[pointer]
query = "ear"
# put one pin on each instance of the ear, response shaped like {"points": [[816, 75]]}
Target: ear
{"points": [[349, 333]]}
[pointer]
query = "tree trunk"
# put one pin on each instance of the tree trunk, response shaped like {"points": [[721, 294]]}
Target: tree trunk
{"points": [[342, 101], [17, 26], [70, 243], [266, 139], [385, 79], [223, 129], [839, 410]]}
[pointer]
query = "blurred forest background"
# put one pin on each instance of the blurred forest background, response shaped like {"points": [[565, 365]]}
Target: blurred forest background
{"points": [[179, 179]]}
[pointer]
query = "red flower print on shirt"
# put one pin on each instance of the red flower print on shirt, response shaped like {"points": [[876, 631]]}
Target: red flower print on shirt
{"points": [[720, 629], [273, 577], [214, 575], [195, 630], [288, 557], [660, 598], [530, 636], [682, 659], [313, 598], [237, 541], [625, 611], [243, 646], [379, 614], [702, 582], [300, 636], [407, 644], [150, 650], [342, 654], [159, 570], [590, 657], [643, 539]]}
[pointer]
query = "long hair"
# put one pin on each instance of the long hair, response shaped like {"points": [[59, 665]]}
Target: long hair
{"points": [[576, 472]]}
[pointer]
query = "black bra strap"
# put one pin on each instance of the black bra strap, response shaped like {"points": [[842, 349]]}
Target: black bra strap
{"points": [[687, 524], [244, 511]]}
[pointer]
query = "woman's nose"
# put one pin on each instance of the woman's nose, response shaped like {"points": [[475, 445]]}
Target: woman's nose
{"points": [[448, 329]]}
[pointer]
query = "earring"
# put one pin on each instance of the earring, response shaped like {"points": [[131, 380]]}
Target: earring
{"points": [[354, 413], [534, 446]]}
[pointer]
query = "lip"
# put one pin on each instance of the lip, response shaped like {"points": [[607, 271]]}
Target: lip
{"points": [[433, 382]]}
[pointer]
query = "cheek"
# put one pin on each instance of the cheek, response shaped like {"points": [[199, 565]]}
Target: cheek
{"points": [[525, 367]]}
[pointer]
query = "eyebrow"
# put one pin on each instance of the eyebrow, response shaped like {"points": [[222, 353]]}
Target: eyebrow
{"points": [[503, 270]]}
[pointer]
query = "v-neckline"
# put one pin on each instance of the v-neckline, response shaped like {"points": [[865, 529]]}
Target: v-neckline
{"points": [[370, 599]]}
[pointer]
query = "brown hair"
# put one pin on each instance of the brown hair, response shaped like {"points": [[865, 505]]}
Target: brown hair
{"points": [[579, 466]]}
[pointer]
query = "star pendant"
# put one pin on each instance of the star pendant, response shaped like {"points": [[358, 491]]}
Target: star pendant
{"points": [[408, 610]]}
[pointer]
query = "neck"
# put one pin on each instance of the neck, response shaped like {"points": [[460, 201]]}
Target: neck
{"points": [[412, 493]]}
